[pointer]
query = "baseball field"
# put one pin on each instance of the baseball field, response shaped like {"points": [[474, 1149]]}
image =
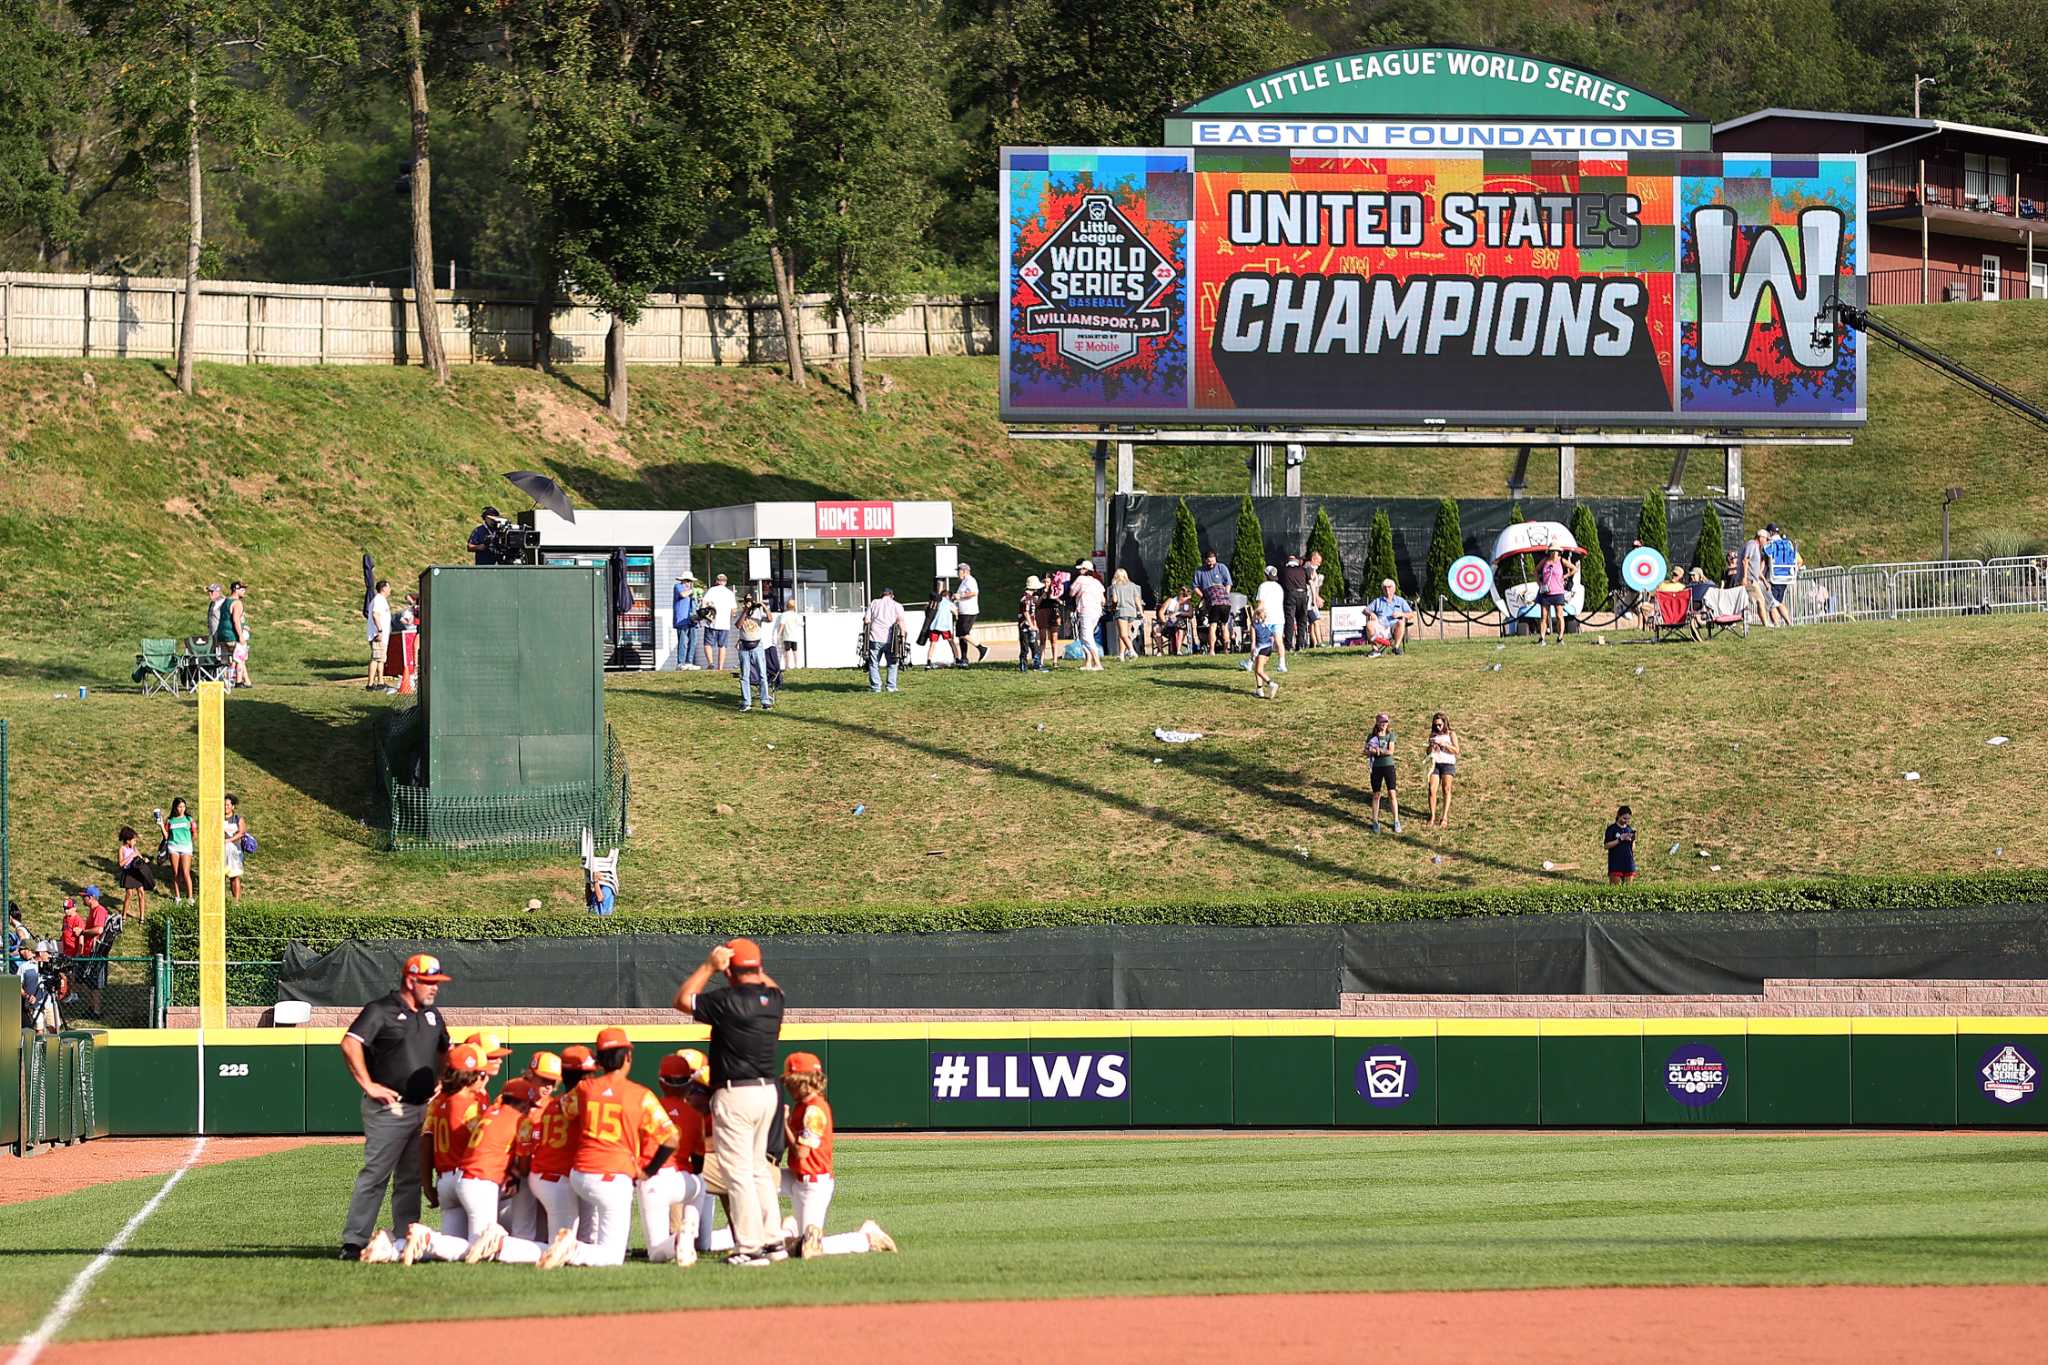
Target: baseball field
{"points": [[1835, 1246]]}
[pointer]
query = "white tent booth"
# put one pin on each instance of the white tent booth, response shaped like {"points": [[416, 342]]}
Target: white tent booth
{"points": [[779, 536], [656, 546]]}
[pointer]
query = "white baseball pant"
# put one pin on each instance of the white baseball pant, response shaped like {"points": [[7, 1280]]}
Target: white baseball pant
{"points": [[522, 1214], [808, 1199], [659, 1193], [514, 1251], [454, 1218], [604, 1204], [557, 1201], [478, 1200]]}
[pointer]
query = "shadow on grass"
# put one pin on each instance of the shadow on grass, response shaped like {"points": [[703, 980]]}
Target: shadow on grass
{"points": [[328, 759], [1239, 842]]}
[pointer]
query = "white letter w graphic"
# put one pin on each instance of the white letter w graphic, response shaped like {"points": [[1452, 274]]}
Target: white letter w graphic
{"points": [[1728, 304]]}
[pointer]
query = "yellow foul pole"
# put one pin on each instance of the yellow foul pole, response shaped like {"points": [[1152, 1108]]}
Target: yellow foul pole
{"points": [[208, 844]]}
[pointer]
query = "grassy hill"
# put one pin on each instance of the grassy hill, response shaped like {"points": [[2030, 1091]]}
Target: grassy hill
{"points": [[118, 502]]}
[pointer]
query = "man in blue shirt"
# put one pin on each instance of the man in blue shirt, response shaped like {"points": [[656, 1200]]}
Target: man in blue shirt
{"points": [[1393, 612], [1785, 564], [1212, 586], [686, 623]]}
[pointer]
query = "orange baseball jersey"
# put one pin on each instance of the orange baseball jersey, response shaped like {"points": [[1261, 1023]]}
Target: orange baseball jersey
{"points": [[546, 1135], [448, 1119], [810, 1137], [618, 1126], [693, 1133], [492, 1133]]}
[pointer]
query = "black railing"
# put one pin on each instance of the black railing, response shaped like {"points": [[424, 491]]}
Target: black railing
{"points": [[1944, 285]]}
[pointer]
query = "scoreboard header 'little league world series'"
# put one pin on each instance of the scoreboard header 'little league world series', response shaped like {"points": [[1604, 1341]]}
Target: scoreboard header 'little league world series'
{"points": [[1476, 286]]}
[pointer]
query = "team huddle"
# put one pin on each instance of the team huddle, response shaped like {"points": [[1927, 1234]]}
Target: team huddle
{"points": [[547, 1171]]}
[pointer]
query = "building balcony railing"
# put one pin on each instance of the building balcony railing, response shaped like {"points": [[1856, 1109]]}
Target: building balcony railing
{"points": [[1945, 285], [1893, 194]]}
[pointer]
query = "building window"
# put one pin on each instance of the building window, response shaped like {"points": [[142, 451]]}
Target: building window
{"points": [[1986, 179]]}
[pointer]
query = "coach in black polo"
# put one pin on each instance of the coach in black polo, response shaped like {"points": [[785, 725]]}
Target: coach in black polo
{"points": [[746, 1024], [394, 1051]]}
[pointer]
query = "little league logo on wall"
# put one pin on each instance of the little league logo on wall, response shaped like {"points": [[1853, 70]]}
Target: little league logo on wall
{"points": [[1385, 1079], [2008, 1074], [1696, 1075], [1102, 283]]}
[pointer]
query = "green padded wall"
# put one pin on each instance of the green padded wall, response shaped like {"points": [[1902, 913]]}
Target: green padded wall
{"points": [[512, 678], [1903, 1071], [10, 1060], [1799, 1072]]}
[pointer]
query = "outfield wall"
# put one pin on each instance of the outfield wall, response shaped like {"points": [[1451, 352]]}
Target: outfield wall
{"points": [[1251, 1073]]}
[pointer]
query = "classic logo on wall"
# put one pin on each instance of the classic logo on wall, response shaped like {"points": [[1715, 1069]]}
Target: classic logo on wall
{"points": [[1696, 1075], [1102, 282], [1385, 1079], [2009, 1072]]}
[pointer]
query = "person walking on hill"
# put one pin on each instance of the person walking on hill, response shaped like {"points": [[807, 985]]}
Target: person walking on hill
{"points": [[686, 624], [1088, 594], [1756, 575], [1443, 767], [1294, 584], [1128, 605], [1212, 585], [393, 1051], [746, 1025], [380, 634], [884, 631], [938, 626], [1265, 637], [966, 611], [1379, 752], [1273, 598], [231, 635], [1030, 641]]}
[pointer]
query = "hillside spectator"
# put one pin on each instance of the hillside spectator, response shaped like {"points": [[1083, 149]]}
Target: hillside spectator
{"points": [[1049, 598], [1127, 603], [720, 601], [216, 603], [1785, 565], [938, 624], [1731, 576], [778, 636], [966, 611], [1379, 752], [884, 632], [1294, 580], [1550, 597], [1756, 575], [380, 633], [1394, 615], [1620, 839], [234, 831], [231, 635], [686, 624], [1212, 584], [1443, 767], [1175, 616], [132, 874], [405, 636], [753, 655], [1030, 643], [1089, 595], [18, 931], [1265, 638], [1316, 604]]}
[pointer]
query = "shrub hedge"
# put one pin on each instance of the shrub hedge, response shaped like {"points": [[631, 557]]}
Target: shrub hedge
{"points": [[260, 933]]}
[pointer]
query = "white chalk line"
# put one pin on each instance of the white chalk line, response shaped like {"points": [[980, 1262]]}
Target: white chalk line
{"points": [[60, 1312]]}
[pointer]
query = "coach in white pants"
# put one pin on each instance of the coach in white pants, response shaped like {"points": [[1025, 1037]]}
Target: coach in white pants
{"points": [[746, 1025]]}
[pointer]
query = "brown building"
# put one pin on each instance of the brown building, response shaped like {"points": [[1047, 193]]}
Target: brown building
{"points": [[1953, 209]]}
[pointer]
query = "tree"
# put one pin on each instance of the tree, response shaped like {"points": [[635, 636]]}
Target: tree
{"points": [[1653, 528], [210, 75], [1593, 569], [1446, 547], [1379, 555], [1515, 569], [1323, 537], [1710, 552], [1184, 556], [420, 189], [1248, 551]]}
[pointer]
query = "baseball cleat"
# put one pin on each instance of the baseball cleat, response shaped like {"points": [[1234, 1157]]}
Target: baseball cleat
{"points": [[812, 1245], [776, 1252], [418, 1238], [684, 1221], [878, 1240], [789, 1229], [559, 1251], [486, 1245], [379, 1251]]}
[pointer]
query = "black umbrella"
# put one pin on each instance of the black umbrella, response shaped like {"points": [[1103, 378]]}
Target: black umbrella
{"points": [[622, 591], [544, 491], [369, 583]]}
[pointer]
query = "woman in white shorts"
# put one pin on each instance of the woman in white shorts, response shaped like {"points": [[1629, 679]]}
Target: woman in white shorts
{"points": [[1443, 766]]}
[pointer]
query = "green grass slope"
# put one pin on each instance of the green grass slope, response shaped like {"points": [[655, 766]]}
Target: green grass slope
{"points": [[247, 1245]]}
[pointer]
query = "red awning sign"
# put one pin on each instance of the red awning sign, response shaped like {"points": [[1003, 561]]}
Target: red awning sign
{"points": [[856, 520]]}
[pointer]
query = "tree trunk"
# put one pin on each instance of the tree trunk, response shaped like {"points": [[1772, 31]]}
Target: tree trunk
{"points": [[785, 290], [432, 353], [615, 369], [188, 326], [856, 348], [544, 304]]}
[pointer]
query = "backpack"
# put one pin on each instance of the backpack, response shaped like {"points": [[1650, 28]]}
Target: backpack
{"points": [[1217, 594]]}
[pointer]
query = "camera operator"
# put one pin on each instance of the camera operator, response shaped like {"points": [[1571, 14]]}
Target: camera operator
{"points": [[751, 625], [483, 541]]}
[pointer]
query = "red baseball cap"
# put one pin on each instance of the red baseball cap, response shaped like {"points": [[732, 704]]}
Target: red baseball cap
{"points": [[577, 1058], [516, 1089], [802, 1063], [680, 1066], [465, 1057], [425, 967], [612, 1037], [745, 952]]}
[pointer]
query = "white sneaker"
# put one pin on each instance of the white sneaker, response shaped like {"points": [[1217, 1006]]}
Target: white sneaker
{"points": [[686, 1237], [1272, 691], [380, 1251], [559, 1251], [486, 1246], [418, 1238], [1283, 665], [878, 1240]]}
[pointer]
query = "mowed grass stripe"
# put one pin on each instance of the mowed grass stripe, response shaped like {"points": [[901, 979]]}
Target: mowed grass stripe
{"points": [[248, 1245]]}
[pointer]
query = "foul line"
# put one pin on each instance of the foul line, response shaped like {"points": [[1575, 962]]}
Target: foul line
{"points": [[60, 1313]]}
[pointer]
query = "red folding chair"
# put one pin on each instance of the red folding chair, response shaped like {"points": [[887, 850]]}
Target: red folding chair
{"points": [[1674, 614]]}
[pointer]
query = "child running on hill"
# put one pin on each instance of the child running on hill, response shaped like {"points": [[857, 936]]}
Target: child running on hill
{"points": [[1264, 642]]}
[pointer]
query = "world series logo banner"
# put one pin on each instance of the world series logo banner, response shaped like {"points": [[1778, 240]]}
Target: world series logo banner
{"points": [[1475, 287]]}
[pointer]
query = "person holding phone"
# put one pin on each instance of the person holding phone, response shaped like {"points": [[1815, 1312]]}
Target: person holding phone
{"points": [[1621, 848]]}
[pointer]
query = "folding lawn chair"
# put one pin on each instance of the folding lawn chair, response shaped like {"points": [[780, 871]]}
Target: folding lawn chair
{"points": [[201, 662], [156, 667], [1674, 615], [1724, 609]]}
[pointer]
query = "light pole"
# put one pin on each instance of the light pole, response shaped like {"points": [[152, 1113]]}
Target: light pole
{"points": [[1918, 81], [1949, 498]]}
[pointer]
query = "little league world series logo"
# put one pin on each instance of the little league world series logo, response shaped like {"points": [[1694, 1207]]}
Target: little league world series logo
{"points": [[1385, 1079], [2008, 1074], [1102, 283], [1696, 1075]]}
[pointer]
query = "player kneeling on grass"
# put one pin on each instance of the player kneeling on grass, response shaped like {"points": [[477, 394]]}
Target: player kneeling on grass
{"points": [[548, 1150], [620, 1134], [808, 1182], [484, 1174], [519, 1211], [674, 1201], [445, 1139]]}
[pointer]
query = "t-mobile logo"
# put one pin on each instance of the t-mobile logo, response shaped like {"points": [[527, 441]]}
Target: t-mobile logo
{"points": [[1730, 303], [1030, 1075]]}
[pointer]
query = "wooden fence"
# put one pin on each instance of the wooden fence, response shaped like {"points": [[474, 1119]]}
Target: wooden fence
{"points": [[243, 323]]}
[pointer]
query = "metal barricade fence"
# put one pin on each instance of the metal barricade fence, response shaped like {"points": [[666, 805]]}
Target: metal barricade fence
{"points": [[2016, 583], [1890, 592], [1952, 589]]}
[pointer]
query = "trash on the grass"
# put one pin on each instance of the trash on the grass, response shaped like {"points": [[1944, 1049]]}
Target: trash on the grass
{"points": [[1159, 760], [1715, 868], [1437, 858], [1998, 739], [1548, 865], [1496, 668], [721, 809], [860, 810], [935, 853], [1302, 851], [1912, 777], [1703, 853], [1639, 670], [1176, 736], [771, 746], [1673, 850], [1041, 727]]}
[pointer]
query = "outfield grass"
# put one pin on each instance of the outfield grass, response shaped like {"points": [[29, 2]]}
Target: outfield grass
{"points": [[246, 1245], [1780, 755]]}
